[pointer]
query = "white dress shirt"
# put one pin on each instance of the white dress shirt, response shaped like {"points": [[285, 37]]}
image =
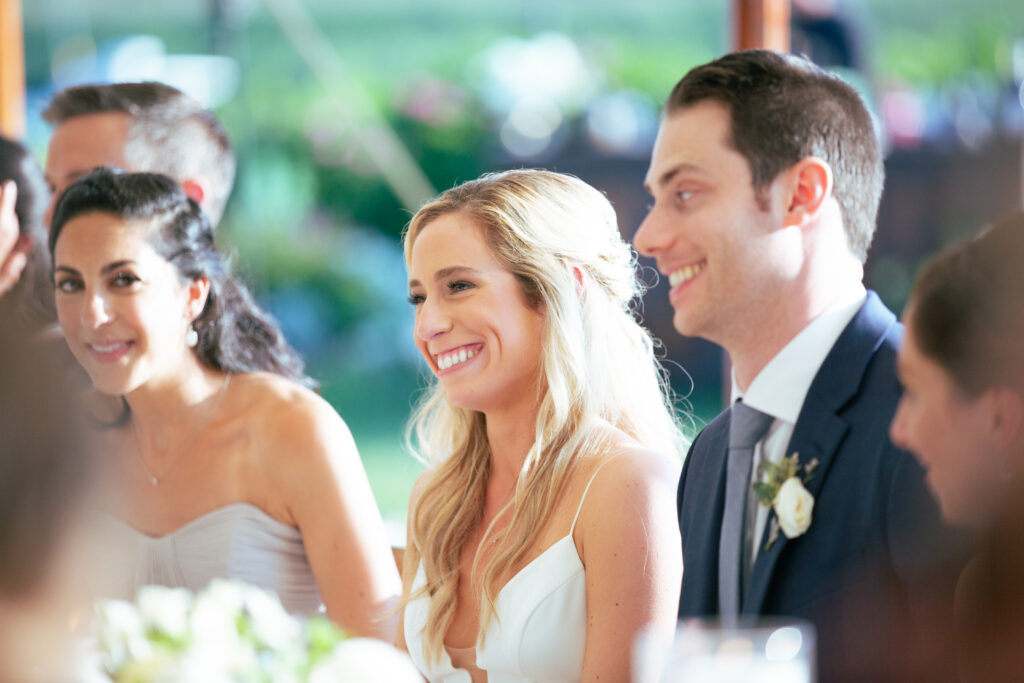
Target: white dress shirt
{"points": [[782, 385]]}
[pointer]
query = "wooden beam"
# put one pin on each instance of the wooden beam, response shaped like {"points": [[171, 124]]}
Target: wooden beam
{"points": [[12, 70], [760, 23]]}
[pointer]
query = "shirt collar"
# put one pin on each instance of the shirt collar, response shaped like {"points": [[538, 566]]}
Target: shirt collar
{"points": [[782, 385]]}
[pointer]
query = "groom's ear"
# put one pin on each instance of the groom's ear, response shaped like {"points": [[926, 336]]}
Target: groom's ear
{"points": [[810, 188]]}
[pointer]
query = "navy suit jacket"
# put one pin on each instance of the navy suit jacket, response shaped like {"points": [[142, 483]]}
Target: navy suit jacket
{"points": [[857, 572]]}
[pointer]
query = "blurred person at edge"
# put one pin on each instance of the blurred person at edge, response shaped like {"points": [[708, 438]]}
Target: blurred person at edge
{"points": [[145, 126], [224, 462], [541, 535], [962, 415], [47, 484], [23, 199]]}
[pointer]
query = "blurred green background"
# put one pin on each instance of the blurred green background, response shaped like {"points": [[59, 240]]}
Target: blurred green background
{"points": [[319, 94]]}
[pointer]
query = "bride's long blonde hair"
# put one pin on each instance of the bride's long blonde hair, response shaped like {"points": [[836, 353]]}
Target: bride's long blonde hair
{"points": [[560, 238]]}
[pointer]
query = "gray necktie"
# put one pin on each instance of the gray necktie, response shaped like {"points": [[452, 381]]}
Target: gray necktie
{"points": [[746, 427]]}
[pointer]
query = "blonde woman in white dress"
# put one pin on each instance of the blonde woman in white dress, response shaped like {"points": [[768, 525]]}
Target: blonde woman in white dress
{"points": [[542, 537]]}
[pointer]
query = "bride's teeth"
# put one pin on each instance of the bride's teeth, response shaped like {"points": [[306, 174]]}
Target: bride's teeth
{"points": [[454, 358]]}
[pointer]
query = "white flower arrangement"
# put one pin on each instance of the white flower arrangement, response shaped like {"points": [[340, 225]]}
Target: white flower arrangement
{"points": [[232, 632], [783, 490]]}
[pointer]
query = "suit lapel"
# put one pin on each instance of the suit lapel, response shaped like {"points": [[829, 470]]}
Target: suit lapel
{"points": [[702, 527], [819, 429]]}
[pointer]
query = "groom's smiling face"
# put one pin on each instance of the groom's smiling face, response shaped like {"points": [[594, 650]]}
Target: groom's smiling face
{"points": [[719, 246]]}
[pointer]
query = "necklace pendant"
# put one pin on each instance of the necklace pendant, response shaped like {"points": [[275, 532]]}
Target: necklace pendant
{"points": [[154, 480]]}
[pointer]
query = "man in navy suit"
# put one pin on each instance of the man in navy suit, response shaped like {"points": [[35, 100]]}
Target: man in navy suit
{"points": [[766, 178]]}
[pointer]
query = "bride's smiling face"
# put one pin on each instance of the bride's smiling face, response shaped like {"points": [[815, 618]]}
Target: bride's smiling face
{"points": [[123, 308], [473, 324]]}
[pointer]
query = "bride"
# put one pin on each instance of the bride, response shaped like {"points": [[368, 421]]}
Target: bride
{"points": [[542, 537], [224, 463]]}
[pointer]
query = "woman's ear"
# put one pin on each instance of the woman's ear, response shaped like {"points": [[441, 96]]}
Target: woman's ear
{"points": [[577, 274], [195, 189], [198, 293], [1006, 417]]}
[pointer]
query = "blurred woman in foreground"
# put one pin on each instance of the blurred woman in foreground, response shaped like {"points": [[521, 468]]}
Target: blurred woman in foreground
{"points": [[225, 464], [46, 478], [542, 537], [962, 414]]}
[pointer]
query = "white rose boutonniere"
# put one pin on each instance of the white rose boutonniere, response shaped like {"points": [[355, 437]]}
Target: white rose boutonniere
{"points": [[783, 490]]}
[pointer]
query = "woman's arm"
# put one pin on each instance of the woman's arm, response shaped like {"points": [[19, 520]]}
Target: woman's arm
{"points": [[325, 489], [633, 558]]}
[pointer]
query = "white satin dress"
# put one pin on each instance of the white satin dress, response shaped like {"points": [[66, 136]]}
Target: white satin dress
{"points": [[540, 632]]}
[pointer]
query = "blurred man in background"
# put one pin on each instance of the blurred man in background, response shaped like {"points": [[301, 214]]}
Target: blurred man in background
{"points": [[146, 126]]}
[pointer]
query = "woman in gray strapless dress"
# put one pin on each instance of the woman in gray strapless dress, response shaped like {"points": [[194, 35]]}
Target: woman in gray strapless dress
{"points": [[224, 462]]}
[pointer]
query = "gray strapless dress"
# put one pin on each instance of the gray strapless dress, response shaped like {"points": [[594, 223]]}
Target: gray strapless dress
{"points": [[237, 541]]}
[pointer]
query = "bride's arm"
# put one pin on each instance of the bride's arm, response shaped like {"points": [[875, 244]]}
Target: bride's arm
{"points": [[324, 486], [633, 559]]}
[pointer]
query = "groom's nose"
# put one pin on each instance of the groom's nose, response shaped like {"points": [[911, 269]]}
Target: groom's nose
{"points": [[655, 234]]}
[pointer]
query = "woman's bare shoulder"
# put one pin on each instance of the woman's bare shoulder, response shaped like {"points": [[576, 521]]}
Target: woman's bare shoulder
{"points": [[289, 420], [622, 456], [278, 401]]}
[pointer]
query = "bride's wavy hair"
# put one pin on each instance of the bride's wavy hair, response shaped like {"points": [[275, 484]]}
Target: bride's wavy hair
{"points": [[560, 238]]}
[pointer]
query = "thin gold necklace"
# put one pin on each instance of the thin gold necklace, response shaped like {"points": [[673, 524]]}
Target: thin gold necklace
{"points": [[155, 478]]}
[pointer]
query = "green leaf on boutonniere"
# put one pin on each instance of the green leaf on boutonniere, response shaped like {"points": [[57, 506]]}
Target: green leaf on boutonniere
{"points": [[773, 534], [765, 493], [809, 469], [770, 469]]}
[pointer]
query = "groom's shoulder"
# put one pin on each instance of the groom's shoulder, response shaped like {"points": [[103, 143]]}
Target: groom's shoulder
{"points": [[712, 433], [863, 358]]}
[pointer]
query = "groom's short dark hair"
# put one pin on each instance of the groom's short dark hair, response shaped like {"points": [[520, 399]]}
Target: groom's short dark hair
{"points": [[783, 109]]}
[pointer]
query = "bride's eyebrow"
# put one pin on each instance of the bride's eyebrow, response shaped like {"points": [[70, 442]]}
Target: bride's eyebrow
{"points": [[448, 272], [455, 270]]}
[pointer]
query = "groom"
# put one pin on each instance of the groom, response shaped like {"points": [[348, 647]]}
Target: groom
{"points": [[766, 178]]}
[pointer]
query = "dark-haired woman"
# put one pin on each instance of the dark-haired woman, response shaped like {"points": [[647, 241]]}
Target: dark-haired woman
{"points": [[225, 464], [962, 415]]}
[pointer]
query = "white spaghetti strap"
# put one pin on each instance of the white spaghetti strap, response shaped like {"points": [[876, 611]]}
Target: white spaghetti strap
{"points": [[584, 496]]}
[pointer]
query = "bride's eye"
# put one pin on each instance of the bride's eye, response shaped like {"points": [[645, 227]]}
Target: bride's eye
{"points": [[459, 286]]}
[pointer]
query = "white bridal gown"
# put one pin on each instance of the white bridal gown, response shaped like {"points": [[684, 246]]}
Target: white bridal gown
{"points": [[541, 627]]}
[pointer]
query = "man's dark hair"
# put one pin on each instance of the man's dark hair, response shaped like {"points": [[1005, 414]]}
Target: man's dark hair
{"points": [[171, 134], [783, 109]]}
